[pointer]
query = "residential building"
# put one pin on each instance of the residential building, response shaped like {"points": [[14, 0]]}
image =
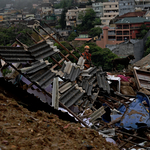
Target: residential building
{"points": [[110, 11], [98, 8], [1, 18], [129, 28], [142, 4], [35, 6], [129, 14], [147, 15], [72, 16], [58, 12], [46, 8], [126, 29], [29, 16], [126, 6], [19, 17], [9, 6]]}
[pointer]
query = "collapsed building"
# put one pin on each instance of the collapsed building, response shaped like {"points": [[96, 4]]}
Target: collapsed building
{"points": [[93, 97]]}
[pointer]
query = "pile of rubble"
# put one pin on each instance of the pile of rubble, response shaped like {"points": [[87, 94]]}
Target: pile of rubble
{"points": [[112, 104]]}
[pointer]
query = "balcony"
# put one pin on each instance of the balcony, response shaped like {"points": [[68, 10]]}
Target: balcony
{"points": [[118, 27], [134, 27], [118, 33], [111, 8], [119, 39], [111, 33], [111, 39], [125, 27], [125, 33]]}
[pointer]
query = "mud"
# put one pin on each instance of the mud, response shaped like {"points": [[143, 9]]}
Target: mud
{"points": [[21, 129]]}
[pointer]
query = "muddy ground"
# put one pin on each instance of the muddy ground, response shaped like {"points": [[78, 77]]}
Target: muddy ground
{"points": [[22, 129]]}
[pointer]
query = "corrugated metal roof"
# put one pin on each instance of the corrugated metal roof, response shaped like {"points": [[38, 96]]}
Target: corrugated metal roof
{"points": [[15, 54], [71, 96], [133, 14], [36, 66], [35, 52], [70, 71], [41, 50], [132, 20], [102, 82]]}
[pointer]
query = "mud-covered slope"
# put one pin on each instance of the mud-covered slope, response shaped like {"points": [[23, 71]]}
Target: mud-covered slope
{"points": [[22, 129]]}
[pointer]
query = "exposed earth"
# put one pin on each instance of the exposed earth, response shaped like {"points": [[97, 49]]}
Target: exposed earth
{"points": [[21, 129]]}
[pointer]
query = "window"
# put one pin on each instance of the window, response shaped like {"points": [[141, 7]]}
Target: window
{"points": [[110, 6]]}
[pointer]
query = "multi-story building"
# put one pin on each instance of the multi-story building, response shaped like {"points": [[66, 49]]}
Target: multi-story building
{"points": [[46, 8], [98, 8], [58, 12], [72, 16], [126, 6], [110, 10], [142, 4], [126, 29]]}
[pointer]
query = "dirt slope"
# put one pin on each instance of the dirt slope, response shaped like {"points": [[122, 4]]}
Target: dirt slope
{"points": [[21, 129]]}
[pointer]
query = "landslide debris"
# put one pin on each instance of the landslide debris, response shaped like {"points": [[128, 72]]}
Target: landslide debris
{"points": [[21, 129]]}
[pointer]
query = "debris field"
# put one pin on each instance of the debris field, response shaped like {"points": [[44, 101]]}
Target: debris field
{"points": [[108, 106]]}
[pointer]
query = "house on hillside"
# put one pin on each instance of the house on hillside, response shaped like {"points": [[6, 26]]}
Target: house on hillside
{"points": [[98, 8], [46, 8], [72, 17], [110, 11], [81, 39], [126, 29], [126, 6]]}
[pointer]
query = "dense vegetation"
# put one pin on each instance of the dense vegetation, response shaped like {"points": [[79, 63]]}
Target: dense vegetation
{"points": [[8, 35], [147, 47], [64, 4], [143, 30], [100, 57], [88, 22]]}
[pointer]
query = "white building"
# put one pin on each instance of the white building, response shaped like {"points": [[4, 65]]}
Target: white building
{"points": [[98, 8]]}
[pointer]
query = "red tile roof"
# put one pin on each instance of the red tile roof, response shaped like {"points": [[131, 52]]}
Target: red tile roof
{"points": [[133, 14], [83, 39]]}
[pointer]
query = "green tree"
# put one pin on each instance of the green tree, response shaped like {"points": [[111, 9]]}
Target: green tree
{"points": [[147, 46], [63, 4], [95, 31], [8, 35], [100, 57], [87, 20], [143, 30], [72, 36], [147, 51], [62, 20], [97, 21]]}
